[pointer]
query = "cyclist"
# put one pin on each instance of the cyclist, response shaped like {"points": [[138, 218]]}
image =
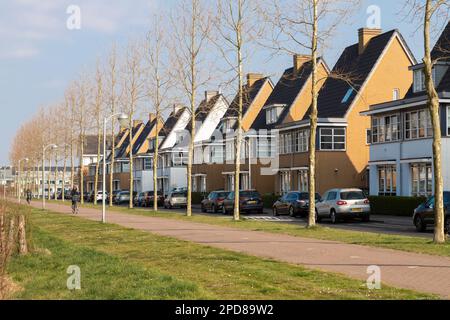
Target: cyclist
{"points": [[29, 196], [75, 195]]}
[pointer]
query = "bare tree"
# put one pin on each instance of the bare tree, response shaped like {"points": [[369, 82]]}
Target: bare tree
{"points": [[190, 29], [98, 114], [112, 100], [307, 25], [236, 28], [158, 86], [134, 92]]}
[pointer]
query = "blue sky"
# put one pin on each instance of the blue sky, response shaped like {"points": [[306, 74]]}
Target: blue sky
{"points": [[39, 56]]}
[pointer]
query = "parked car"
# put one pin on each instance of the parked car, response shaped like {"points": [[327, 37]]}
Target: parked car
{"points": [[113, 195], [293, 203], [122, 197], [67, 195], [175, 199], [249, 200], [214, 201], [86, 196], [139, 199], [338, 204], [151, 196], [424, 214]]}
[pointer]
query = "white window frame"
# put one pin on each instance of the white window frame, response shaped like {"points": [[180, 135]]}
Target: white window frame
{"points": [[273, 113], [285, 181], [386, 129], [395, 94], [385, 188], [302, 180], [419, 80], [414, 130], [417, 181], [333, 136]]}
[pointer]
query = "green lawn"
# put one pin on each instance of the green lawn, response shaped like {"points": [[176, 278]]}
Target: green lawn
{"points": [[404, 243], [120, 263]]}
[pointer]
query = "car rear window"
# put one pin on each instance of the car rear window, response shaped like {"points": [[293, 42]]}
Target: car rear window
{"points": [[352, 195], [222, 194], [249, 194], [447, 197], [178, 195]]}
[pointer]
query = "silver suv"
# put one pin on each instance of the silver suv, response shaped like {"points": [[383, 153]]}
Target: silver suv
{"points": [[339, 204], [176, 199]]}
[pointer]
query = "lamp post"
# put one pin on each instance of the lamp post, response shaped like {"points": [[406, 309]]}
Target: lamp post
{"points": [[44, 148], [123, 118], [19, 179], [162, 177]]}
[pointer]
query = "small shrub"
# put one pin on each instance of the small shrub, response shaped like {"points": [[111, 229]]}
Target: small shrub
{"points": [[197, 197], [269, 199], [395, 206]]}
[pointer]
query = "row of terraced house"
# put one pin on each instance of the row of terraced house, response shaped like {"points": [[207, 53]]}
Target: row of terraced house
{"points": [[373, 131]]}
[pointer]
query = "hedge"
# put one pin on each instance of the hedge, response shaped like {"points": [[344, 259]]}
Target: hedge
{"points": [[395, 206], [197, 197], [269, 199]]}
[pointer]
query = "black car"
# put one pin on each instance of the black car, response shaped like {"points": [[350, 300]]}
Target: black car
{"points": [[294, 203], [214, 201], [249, 200], [424, 214]]}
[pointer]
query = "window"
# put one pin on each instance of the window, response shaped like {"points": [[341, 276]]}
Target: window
{"points": [[386, 128], [421, 179], [116, 185], [285, 145], [395, 94], [419, 80], [301, 141], [347, 95], [272, 114], [228, 124], [448, 120], [332, 195], [418, 125], [285, 181], [387, 180], [368, 136], [302, 182], [332, 139]]}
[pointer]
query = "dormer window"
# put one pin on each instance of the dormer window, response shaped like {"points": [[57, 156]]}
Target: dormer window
{"points": [[419, 80], [273, 113], [228, 124]]}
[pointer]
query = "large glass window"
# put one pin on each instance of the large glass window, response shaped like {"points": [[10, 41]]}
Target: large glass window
{"points": [[419, 80], [285, 182], [272, 114], [301, 140], [387, 180], [302, 180], [332, 139], [421, 179], [418, 125], [386, 129]]}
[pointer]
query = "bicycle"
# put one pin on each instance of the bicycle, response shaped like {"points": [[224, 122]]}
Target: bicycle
{"points": [[75, 209]]}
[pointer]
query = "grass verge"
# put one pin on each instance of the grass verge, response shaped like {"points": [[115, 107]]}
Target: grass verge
{"points": [[120, 263]]}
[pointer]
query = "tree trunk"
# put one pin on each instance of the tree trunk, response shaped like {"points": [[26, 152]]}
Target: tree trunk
{"points": [[155, 168], [81, 169], [111, 165], [313, 125], [22, 234], [10, 245], [433, 107]]}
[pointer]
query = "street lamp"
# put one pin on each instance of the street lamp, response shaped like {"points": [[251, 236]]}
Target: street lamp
{"points": [[44, 148], [19, 178], [123, 119]]}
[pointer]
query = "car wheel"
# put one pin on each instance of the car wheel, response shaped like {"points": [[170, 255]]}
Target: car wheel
{"points": [[203, 208], [275, 212], [291, 211], [366, 218], [318, 218], [420, 224], [224, 210], [333, 217], [214, 208]]}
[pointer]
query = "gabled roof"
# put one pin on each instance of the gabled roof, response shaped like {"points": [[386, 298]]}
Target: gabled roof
{"points": [[171, 121], [249, 94], [122, 152], [144, 136], [337, 96], [284, 93], [203, 110], [441, 49]]}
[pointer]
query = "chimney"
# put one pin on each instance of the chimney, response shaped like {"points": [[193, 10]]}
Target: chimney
{"points": [[151, 117], [299, 60], [136, 123], [253, 77], [364, 35], [210, 94]]}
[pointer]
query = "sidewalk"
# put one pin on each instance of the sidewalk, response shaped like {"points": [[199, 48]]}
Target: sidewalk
{"points": [[420, 272]]}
